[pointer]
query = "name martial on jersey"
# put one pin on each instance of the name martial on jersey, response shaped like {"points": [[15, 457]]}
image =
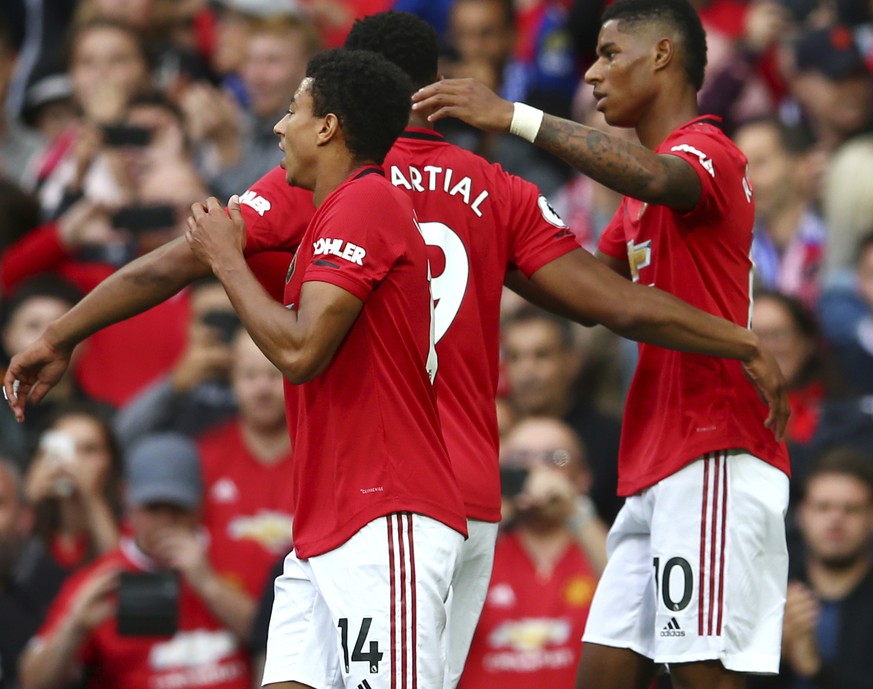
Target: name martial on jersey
{"points": [[434, 178]]}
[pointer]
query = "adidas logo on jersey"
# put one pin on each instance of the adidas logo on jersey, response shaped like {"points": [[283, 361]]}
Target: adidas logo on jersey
{"points": [[364, 685], [672, 629]]}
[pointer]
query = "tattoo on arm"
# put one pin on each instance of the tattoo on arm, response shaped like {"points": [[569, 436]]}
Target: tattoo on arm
{"points": [[625, 167]]}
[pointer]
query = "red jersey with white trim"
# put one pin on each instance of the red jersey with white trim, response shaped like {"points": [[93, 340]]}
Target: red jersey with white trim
{"points": [[246, 507], [479, 222], [202, 653], [530, 626], [681, 405], [366, 433]]}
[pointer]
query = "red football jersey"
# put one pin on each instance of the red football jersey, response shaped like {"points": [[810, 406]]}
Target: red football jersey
{"points": [[478, 222], [680, 405], [531, 625], [247, 507], [201, 653], [366, 433]]}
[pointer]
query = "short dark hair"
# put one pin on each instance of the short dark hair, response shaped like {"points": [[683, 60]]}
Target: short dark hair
{"points": [[844, 461], [679, 15], [404, 39], [370, 96]]}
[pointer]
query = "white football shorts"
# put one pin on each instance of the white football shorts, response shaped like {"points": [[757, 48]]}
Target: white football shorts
{"points": [[469, 588], [698, 567], [370, 614]]}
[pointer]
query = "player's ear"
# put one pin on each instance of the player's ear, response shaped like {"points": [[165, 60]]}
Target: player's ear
{"points": [[665, 51], [330, 128]]}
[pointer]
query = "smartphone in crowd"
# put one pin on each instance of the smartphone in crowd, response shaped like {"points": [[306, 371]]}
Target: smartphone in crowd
{"points": [[118, 135], [148, 604], [144, 217]]}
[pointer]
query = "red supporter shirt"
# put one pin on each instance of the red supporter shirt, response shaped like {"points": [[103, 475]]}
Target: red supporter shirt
{"points": [[365, 433], [680, 405], [246, 508], [479, 222], [528, 633], [201, 654]]}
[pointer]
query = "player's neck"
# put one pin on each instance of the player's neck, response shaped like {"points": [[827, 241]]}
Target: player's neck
{"points": [[832, 583], [333, 174], [418, 120], [664, 116]]}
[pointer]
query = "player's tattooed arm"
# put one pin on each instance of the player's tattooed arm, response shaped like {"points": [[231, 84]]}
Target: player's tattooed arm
{"points": [[626, 167]]}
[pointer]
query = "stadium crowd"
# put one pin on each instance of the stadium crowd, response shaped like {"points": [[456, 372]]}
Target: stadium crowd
{"points": [[164, 449]]}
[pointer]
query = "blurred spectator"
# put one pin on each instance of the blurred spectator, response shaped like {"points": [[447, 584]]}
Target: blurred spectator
{"points": [[196, 394], [275, 62], [74, 483], [832, 85], [248, 497], [49, 105], [543, 580], [748, 82], [482, 37], [542, 361], [81, 640], [828, 629], [108, 66], [847, 318], [29, 578], [847, 200], [789, 235], [27, 313], [790, 331], [18, 145]]}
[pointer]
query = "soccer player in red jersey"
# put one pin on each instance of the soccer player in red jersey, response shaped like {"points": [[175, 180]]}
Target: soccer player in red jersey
{"points": [[379, 520], [698, 563]]}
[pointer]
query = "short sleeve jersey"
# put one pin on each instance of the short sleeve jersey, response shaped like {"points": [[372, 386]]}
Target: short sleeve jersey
{"points": [[200, 653], [681, 405], [365, 432], [247, 507], [479, 222], [530, 626]]}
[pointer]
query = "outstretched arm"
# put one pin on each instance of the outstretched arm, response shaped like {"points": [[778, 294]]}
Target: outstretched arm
{"points": [[628, 168], [582, 288], [300, 341], [138, 286]]}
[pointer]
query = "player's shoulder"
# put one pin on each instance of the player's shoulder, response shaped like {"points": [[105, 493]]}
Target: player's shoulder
{"points": [[704, 139]]}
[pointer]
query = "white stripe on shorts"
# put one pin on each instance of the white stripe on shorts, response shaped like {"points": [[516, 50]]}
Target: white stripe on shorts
{"points": [[713, 526], [401, 562]]}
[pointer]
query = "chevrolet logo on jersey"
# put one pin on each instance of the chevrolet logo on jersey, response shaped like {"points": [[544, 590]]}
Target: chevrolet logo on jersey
{"points": [[639, 256], [337, 247]]}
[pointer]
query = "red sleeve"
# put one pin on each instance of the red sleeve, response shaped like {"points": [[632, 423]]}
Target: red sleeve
{"points": [[541, 235], [276, 214], [60, 609], [716, 166], [355, 244], [612, 242]]}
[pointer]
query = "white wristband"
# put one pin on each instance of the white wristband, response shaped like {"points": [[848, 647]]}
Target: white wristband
{"points": [[526, 121]]}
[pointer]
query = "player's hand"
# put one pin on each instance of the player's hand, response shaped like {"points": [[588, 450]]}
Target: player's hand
{"points": [[467, 100], [764, 373], [215, 235], [32, 373]]}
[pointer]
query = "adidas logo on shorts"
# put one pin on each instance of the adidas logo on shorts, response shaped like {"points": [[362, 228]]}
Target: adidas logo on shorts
{"points": [[672, 629], [364, 685]]}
